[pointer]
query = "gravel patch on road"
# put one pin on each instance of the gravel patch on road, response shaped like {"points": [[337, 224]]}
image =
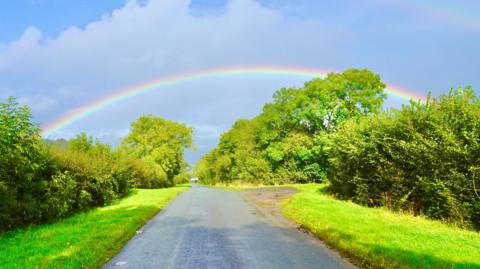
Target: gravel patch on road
{"points": [[267, 201]]}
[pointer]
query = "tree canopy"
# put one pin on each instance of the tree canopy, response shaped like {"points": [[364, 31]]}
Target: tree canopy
{"points": [[160, 141], [284, 143]]}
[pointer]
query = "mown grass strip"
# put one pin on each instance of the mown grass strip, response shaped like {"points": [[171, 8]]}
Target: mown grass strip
{"points": [[85, 240], [379, 238]]}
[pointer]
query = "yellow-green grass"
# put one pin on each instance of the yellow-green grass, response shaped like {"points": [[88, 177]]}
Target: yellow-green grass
{"points": [[379, 238], [85, 240]]}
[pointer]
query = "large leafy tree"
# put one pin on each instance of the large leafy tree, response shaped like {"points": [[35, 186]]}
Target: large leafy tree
{"points": [[286, 142], [294, 126], [326, 103], [323, 104], [160, 141]]}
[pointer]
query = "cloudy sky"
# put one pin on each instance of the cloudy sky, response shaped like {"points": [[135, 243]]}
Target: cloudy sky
{"points": [[58, 55]]}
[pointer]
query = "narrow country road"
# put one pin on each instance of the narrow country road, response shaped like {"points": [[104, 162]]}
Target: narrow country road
{"points": [[213, 228]]}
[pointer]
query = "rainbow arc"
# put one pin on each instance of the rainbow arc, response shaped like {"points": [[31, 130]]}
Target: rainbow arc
{"points": [[123, 94]]}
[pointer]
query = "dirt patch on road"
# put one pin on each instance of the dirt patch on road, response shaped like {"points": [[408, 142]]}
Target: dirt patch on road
{"points": [[267, 201]]}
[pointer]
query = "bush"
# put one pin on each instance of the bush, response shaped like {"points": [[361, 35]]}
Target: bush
{"points": [[21, 160], [94, 172], [59, 197], [103, 175], [422, 158], [44, 180], [144, 174]]}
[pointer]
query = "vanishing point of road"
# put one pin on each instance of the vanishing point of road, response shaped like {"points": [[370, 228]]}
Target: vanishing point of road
{"points": [[214, 228]]}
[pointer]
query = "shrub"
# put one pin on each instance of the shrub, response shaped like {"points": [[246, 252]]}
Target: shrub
{"points": [[59, 197], [20, 161], [41, 181], [143, 173], [422, 158]]}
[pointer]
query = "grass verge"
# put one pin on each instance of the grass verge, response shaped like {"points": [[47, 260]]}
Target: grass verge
{"points": [[85, 240], [379, 238]]}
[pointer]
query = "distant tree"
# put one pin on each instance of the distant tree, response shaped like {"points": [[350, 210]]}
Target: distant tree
{"points": [[81, 142], [161, 141], [57, 143]]}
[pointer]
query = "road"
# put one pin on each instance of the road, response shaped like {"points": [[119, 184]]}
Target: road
{"points": [[213, 228]]}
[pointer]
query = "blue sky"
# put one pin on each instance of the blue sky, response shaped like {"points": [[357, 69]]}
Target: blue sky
{"points": [[58, 55], [51, 16]]}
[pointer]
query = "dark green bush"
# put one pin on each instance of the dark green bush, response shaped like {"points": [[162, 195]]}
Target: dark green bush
{"points": [[21, 160], [40, 182], [424, 158], [94, 171], [102, 174]]}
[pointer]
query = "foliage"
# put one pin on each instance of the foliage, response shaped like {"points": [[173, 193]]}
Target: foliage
{"points": [[182, 178], [423, 158], [160, 142], [21, 162], [44, 180], [286, 142], [96, 171]]}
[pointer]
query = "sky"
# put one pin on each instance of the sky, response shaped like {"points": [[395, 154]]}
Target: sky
{"points": [[58, 55]]}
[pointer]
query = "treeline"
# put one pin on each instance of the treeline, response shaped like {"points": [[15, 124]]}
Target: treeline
{"points": [[423, 158], [286, 143], [44, 180]]}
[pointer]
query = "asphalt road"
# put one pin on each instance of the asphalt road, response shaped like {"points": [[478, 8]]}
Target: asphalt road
{"points": [[213, 228]]}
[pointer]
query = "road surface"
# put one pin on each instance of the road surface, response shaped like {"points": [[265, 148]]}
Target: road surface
{"points": [[214, 228]]}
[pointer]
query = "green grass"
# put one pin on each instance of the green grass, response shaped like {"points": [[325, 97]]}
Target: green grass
{"points": [[85, 240], [379, 238]]}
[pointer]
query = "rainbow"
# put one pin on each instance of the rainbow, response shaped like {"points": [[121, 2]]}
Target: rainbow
{"points": [[123, 94]]}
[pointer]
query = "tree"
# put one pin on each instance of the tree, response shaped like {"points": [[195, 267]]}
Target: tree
{"points": [[81, 142], [161, 141], [286, 142], [292, 129]]}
